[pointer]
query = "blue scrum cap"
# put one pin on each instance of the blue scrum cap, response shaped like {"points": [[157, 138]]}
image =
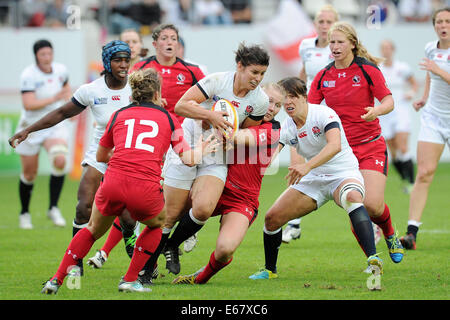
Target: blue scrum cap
{"points": [[111, 49]]}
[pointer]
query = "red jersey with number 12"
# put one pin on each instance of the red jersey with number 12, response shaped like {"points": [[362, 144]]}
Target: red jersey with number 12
{"points": [[141, 135]]}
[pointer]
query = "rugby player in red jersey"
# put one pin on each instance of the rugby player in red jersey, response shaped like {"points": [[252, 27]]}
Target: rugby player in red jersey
{"points": [[177, 75], [238, 204], [349, 85], [140, 134]]}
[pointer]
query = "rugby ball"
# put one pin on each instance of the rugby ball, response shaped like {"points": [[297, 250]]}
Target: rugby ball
{"points": [[232, 117]]}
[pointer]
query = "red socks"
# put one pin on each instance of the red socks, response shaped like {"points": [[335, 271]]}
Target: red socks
{"points": [[78, 248], [114, 236], [384, 222], [146, 244], [211, 269]]}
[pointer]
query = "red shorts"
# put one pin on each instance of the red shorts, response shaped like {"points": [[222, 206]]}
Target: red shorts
{"points": [[228, 203], [143, 199], [372, 156]]}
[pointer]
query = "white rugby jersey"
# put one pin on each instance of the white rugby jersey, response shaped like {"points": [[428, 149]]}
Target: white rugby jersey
{"points": [[314, 58], [397, 76], [310, 139], [220, 86], [103, 101], [44, 85], [439, 97]]}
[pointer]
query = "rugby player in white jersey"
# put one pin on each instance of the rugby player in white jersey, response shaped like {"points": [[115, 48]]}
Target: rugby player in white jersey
{"points": [[396, 125], [315, 53], [44, 87], [331, 172], [434, 121], [103, 96], [203, 184]]}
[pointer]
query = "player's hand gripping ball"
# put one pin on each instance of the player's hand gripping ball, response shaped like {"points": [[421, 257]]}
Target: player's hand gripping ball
{"points": [[232, 117]]}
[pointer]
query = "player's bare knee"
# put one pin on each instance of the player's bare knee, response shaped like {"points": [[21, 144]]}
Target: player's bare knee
{"points": [[354, 196], [272, 221], [82, 212], [202, 212], [425, 174], [224, 251], [28, 177], [59, 163], [58, 154]]}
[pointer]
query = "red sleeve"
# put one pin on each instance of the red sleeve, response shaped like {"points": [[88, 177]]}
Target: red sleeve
{"points": [[198, 73], [179, 144], [107, 140], [379, 88], [315, 95]]}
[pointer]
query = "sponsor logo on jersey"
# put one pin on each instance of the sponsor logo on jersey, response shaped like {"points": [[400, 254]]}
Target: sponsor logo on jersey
{"points": [[316, 131], [329, 84], [164, 71], [343, 75], [115, 98], [100, 100], [293, 141], [302, 134]]}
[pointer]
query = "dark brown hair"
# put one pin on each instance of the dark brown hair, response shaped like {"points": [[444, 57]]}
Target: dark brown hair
{"points": [[294, 86], [157, 31], [433, 18], [252, 55]]}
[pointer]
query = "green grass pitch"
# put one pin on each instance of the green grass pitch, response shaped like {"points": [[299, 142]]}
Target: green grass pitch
{"points": [[326, 263]]}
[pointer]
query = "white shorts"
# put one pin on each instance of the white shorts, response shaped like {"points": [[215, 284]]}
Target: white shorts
{"points": [[178, 175], [90, 158], [434, 129], [321, 187], [399, 120], [32, 145]]}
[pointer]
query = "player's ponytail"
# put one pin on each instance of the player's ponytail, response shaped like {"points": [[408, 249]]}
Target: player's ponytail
{"points": [[350, 33], [145, 86]]}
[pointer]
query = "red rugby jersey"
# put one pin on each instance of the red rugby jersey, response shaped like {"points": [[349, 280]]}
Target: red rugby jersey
{"points": [[141, 135], [348, 92], [177, 79], [245, 174]]}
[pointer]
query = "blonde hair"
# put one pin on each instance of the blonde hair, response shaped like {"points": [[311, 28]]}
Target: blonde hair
{"points": [[145, 84], [144, 51], [350, 33], [274, 86], [327, 8]]}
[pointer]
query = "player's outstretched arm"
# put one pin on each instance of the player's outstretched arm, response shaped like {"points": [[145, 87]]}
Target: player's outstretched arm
{"points": [[52, 118]]}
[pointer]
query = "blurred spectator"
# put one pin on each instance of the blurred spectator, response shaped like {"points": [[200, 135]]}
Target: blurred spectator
{"points": [[415, 10], [212, 12], [178, 12], [34, 12], [241, 10], [135, 15], [56, 13]]}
